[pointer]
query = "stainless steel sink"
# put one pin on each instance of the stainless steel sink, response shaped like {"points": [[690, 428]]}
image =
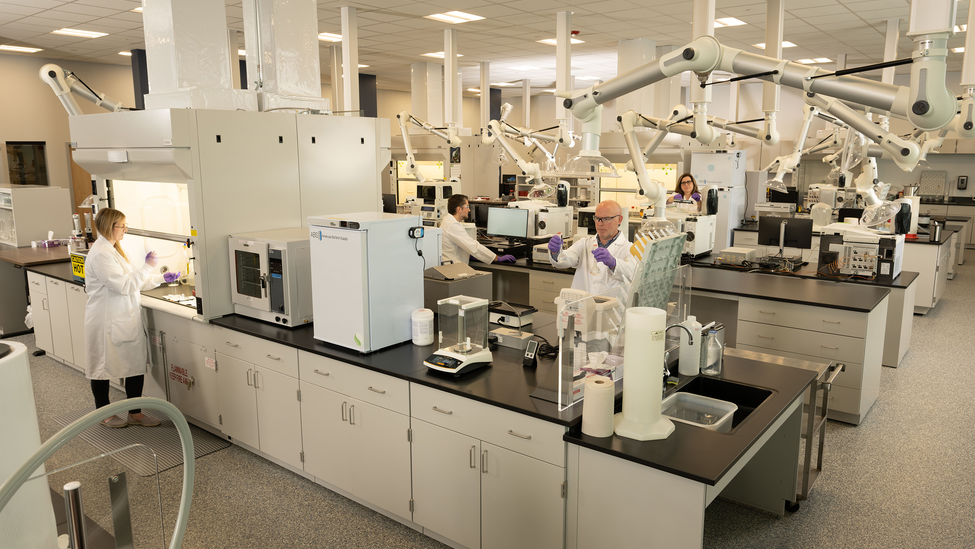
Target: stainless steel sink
{"points": [[746, 397]]}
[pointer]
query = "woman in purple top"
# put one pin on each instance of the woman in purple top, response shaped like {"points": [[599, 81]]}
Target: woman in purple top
{"points": [[686, 187]]}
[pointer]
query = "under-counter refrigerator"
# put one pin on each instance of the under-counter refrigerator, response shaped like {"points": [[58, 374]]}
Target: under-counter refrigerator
{"points": [[367, 279]]}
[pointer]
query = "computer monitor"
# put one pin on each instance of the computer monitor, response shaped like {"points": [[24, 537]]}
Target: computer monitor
{"points": [[389, 203], [791, 196], [509, 222], [798, 232], [479, 215]]}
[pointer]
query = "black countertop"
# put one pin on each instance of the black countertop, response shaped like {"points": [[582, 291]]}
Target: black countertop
{"points": [[903, 280], [789, 289], [701, 454], [926, 238]]}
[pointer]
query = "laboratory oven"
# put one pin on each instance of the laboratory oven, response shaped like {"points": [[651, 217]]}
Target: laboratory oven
{"points": [[270, 275]]}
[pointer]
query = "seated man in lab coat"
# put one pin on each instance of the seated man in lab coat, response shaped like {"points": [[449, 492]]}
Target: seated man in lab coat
{"points": [[602, 261], [458, 246]]}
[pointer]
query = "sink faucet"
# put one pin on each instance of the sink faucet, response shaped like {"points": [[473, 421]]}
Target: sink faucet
{"points": [[690, 339]]}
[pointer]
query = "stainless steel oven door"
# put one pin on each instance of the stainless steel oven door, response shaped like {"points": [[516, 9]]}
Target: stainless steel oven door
{"points": [[249, 274]]}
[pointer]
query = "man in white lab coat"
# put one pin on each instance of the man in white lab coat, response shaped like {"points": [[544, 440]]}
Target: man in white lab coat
{"points": [[602, 261], [458, 246]]}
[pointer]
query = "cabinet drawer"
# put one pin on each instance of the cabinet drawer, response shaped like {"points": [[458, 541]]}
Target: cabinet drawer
{"points": [[851, 377], [273, 356], [517, 432], [818, 319], [746, 238], [814, 344], [36, 282], [368, 386], [549, 282], [543, 301]]}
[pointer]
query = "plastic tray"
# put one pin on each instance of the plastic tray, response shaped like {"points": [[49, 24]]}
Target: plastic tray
{"points": [[702, 411]]}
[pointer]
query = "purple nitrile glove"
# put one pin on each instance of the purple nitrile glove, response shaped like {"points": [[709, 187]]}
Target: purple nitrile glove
{"points": [[171, 277], [506, 258], [555, 245], [151, 259], [603, 256]]}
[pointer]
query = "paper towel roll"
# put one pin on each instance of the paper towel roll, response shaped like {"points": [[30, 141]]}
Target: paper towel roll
{"points": [[643, 357], [597, 406]]}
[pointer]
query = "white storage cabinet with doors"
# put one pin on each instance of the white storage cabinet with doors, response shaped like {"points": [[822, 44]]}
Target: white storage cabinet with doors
{"points": [[58, 310], [544, 287], [355, 428], [485, 477], [258, 392]]}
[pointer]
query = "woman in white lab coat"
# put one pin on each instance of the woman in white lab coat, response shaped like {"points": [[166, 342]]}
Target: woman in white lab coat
{"points": [[114, 333], [458, 246]]}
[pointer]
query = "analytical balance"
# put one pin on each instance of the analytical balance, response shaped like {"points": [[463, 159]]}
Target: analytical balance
{"points": [[462, 336]]}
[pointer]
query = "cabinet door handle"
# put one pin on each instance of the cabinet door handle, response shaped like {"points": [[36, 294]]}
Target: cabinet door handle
{"points": [[484, 461], [828, 347], [383, 392], [764, 337], [249, 384], [55, 282], [232, 344], [514, 434], [831, 321], [321, 373], [343, 410], [473, 461], [447, 412], [352, 414], [767, 312], [274, 357], [255, 380], [44, 304]]}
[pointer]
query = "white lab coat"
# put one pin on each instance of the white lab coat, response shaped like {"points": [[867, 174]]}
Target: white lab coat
{"points": [[579, 256], [458, 246], [114, 333]]}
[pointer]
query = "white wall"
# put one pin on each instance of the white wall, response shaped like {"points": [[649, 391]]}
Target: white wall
{"points": [[29, 110]]}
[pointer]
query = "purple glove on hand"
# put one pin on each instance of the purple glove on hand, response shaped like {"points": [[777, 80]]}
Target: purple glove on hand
{"points": [[506, 258], [603, 256], [555, 245], [171, 277], [151, 259]]}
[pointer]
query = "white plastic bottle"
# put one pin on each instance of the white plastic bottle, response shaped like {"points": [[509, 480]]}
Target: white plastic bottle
{"points": [[689, 359]]}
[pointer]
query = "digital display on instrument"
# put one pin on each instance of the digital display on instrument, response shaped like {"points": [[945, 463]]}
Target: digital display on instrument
{"points": [[442, 361]]}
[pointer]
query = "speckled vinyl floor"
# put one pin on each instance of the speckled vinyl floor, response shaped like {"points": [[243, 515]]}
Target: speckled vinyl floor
{"points": [[904, 478]]}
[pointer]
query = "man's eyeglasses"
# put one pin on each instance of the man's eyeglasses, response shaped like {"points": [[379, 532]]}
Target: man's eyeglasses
{"points": [[606, 219]]}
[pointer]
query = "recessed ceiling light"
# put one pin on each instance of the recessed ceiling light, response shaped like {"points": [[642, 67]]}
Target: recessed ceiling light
{"points": [[125, 53], [727, 22], [137, 10], [588, 78], [79, 33], [20, 49], [454, 17], [806, 61], [329, 37], [958, 50], [785, 44], [554, 42], [961, 28], [549, 91], [361, 66], [823, 60], [475, 90], [524, 68], [438, 55], [242, 52], [503, 84]]}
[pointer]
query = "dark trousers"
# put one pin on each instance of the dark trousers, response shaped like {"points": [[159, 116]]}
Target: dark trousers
{"points": [[133, 389]]}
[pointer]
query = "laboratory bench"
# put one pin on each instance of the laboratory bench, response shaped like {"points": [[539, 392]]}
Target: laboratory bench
{"points": [[14, 286]]}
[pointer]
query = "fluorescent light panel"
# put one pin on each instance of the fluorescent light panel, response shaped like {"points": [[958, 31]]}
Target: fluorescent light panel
{"points": [[242, 52], [125, 53], [475, 90], [454, 17], [438, 55], [20, 49], [727, 22], [554, 42], [137, 10], [958, 50], [329, 37], [785, 44], [961, 28], [80, 33]]}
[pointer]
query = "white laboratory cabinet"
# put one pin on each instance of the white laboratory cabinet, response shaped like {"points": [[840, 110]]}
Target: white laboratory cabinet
{"points": [[28, 212], [367, 279]]}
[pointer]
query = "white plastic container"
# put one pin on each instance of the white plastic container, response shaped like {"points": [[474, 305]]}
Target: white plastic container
{"points": [[422, 327], [689, 359], [702, 411]]}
